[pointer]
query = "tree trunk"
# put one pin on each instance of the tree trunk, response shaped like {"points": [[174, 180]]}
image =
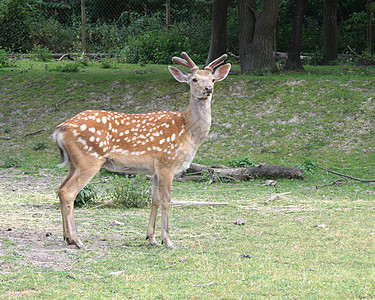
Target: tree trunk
{"points": [[218, 45], [293, 63], [330, 44], [256, 33], [246, 21]]}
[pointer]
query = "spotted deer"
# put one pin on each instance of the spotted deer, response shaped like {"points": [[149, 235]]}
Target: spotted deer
{"points": [[160, 143]]}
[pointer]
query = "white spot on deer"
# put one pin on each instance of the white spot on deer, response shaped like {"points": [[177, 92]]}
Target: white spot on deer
{"points": [[92, 139], [149, 149], [92, 117], [173, 137], [181, 132], [82, 141], [162, 141], [161, 132], [142, 136], [126, 131], [98, 139], [99, 132], [168, 139], [151, 138], [98, 120], [156, 134], [109, 126], [83, 127], [92, 129], [101, 144]]}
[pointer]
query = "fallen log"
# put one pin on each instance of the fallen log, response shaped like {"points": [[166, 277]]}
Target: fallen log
{"points": [[220, 172]]}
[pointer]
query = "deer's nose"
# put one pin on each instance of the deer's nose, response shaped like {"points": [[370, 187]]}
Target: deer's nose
{"points": [[209, 89]]}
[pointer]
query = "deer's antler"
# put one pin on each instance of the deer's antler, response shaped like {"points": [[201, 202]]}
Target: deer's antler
{"points": [[186, 62], [218, 61]]}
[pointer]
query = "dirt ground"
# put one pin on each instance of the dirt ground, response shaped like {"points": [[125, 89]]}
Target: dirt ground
{"points": [[26, 235]]}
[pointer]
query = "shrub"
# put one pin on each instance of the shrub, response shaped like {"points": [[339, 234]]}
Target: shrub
{"points": [[241, 162], [14, 25], [40, 53], [86, 195], [72, 67], [156, 46], [130, 192], [5, 61]]}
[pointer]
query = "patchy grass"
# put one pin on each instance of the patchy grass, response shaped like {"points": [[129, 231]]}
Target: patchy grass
{"points": [[310, 243]]}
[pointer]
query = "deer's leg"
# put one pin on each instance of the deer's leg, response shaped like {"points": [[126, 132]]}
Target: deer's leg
{"points": [[78, 177], [154, 209], [165, 186]]}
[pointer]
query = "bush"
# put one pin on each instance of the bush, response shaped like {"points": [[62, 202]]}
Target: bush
{"points": [[86, 195], [5, 61], [72, 67], [15, 33], [129, 192], [156, 46], [40, 53], [241, 162], [52, 34]]}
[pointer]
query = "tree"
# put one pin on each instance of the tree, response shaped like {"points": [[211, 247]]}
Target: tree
{"points": [[218, 43], [330, 44], [293, 63], [255, 34]]}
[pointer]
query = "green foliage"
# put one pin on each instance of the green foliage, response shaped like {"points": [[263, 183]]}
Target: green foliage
{"points": [[40, 146], [15, 31], [40, 53], [12, 162], [130, 192], [86, 195], [51, 34], [71, 67], [105, 37], [156, 46], [246, 162], [5, 61], [108, 64]]}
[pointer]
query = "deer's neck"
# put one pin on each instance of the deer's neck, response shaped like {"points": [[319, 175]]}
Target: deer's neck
{"points": [[198, 119]]}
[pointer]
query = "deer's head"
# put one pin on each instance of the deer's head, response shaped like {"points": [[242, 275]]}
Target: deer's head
{"points": [[201, 81]]}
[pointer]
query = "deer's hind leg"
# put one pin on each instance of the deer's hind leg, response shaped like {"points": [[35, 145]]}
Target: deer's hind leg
{"points": [[79, 175]]}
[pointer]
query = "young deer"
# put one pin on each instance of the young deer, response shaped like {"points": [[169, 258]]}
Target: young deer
{"points": [[160, 143]]}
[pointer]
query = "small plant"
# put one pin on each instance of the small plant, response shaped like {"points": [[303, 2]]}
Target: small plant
{"points": [[40, 53], [307, 166], [86, 195], [130, 192], [241, 162], [108, 64], [72, 67], [12, 162], [40, 146], [7, 129], [5, 61]]}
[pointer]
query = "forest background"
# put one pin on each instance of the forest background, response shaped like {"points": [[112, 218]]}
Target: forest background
{"points": [[153, 31]]}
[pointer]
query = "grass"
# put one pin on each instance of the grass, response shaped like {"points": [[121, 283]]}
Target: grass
{"points": [[310, 244]]}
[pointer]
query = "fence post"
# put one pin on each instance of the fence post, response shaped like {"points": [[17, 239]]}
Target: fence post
{"points": [[168, 15], [83, 21]]}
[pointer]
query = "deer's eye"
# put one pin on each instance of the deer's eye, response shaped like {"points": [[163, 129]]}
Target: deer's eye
{"points": [[213, 80], [195, 80]]}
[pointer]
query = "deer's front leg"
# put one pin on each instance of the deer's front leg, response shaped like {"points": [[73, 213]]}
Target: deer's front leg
{"points": [[154, 209], [165, 186]]}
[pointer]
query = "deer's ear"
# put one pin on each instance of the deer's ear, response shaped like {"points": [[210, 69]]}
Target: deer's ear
{"points": [[222, 72], [179, 75]]}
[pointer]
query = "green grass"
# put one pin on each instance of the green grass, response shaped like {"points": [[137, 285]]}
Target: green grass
{"points": [[309, 244]]}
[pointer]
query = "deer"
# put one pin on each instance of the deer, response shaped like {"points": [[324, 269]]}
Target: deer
{"points": [[158, 143]]}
